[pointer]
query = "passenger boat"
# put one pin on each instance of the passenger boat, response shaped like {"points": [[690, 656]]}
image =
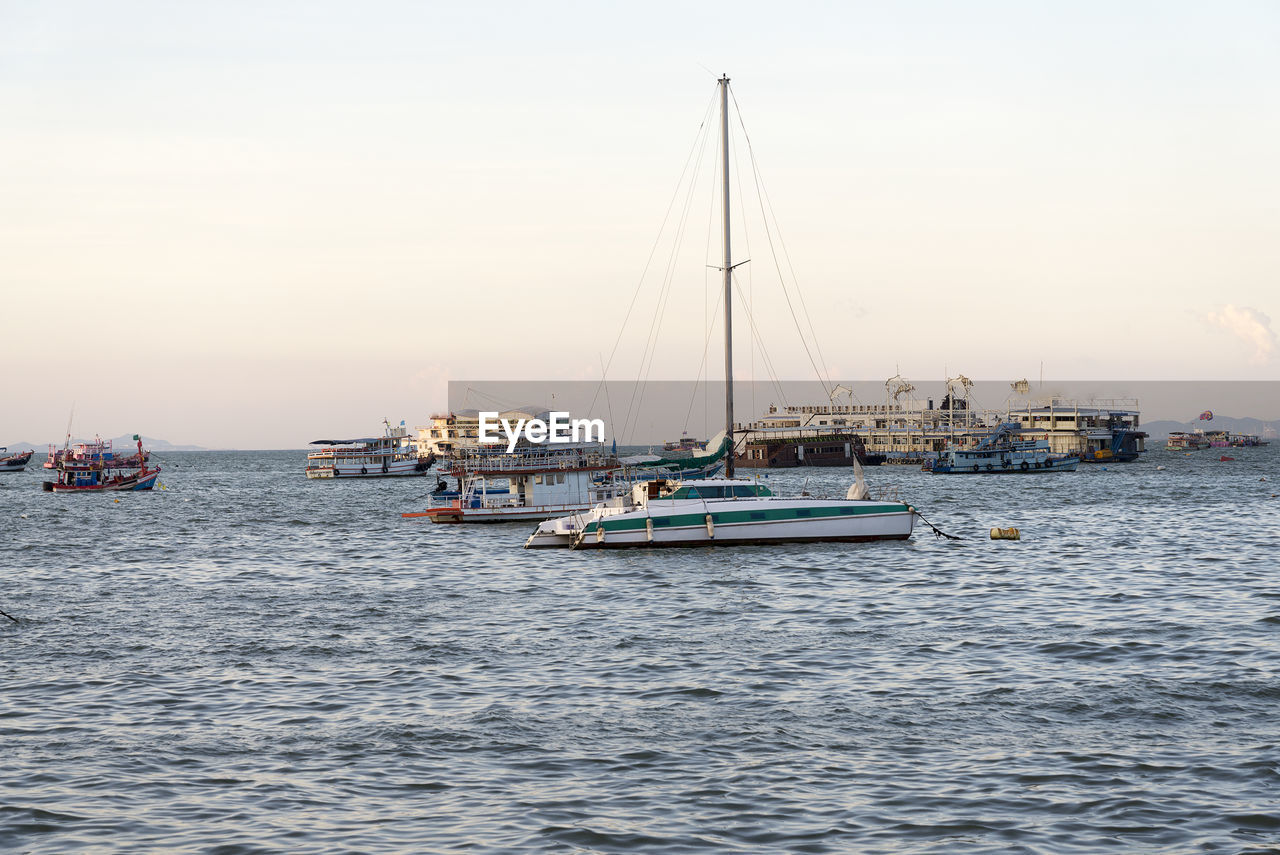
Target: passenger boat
{"points": [[533, 482], [1182, 441], [392, 455], [15, 462], [684, 443], [95, 467], [1002, 452], [727, 511]]}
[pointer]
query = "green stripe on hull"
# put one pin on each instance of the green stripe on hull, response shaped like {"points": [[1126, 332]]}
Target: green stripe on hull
{"points": [[763, 541], [686, 520]]}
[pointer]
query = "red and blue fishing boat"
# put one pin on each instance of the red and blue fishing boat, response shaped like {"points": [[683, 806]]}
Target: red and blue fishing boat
{"points": [[95, 467]]}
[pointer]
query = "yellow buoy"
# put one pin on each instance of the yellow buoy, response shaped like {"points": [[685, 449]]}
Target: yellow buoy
{"points": [[1005, 534]]}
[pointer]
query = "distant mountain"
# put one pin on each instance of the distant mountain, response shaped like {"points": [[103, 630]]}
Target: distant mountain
{"points": [[120, 442], [1160, 430]]}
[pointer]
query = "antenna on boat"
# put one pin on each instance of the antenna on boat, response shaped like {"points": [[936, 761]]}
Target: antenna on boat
{"points": [[70, 418]]}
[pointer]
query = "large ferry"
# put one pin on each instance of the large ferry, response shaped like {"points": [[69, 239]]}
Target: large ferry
{"points": [[1002, 453], [392, 455]]}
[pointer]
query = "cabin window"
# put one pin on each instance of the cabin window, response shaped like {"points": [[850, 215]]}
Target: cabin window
{"points": [[537, 479], [757, 515], [804, 512], [744, 492]]}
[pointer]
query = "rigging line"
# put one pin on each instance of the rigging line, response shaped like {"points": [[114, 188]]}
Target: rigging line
{"points": [[706, 289], [706, 113], [746, 236], [664, 296], [607, 399], [764, 351], [706, 346], [651, 336], [761, 194]]}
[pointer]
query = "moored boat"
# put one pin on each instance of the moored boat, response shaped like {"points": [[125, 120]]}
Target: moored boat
{"points": [[15, 462], [95, 467], [392, 455], [728, 511], [1002, 452], [533, 482], [1184, 441]]}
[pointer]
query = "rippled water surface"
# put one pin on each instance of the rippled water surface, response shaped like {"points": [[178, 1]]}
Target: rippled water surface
{"points": [[250, 662]]}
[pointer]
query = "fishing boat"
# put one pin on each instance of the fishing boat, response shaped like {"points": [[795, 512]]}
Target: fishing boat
{"points": [[392, 455], [727, 511], [15, 462], [95, 467], [1183, 441], [1002, 452]]}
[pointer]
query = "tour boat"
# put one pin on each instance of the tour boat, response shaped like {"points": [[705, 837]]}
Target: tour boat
{"points": [[1002, 453], [1182, 441], [728, 511], [392, 455], [95, 467], [537, 481], [15, 462]]}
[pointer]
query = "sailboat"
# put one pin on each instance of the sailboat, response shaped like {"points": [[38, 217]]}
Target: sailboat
{"points": [[727, 511]]}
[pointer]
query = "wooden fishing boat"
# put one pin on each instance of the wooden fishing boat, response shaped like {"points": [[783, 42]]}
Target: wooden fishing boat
{"points": [[95, 467], [15, 462]]}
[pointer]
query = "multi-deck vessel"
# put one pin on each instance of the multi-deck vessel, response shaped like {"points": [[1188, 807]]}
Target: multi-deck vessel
{"points": [[1003, 452], [392, 455], [1184, 441]]}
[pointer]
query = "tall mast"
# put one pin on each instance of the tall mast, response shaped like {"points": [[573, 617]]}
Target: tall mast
{"points": [[728, 281]]}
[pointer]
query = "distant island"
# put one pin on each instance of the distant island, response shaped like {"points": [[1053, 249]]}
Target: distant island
{"points": [[126, 441]]}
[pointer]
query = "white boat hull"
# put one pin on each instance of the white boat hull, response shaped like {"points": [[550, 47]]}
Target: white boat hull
{"points": [[535, 513], [760, 521], [395, 469]]}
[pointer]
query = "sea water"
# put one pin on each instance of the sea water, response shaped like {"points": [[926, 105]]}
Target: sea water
{"points": [[247, 661]]}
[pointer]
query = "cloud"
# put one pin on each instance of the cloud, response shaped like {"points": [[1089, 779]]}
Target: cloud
{"points": [[1250, 326]]}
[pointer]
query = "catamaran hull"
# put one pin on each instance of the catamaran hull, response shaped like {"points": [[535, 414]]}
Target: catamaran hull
{"points": [[694, 529]]}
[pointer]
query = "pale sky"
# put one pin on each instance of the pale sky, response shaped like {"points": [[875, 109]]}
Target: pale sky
{"points": [[255, 224]]}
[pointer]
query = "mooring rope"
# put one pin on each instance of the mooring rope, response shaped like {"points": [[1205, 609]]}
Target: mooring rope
{"points": [[937, 532], [9, 616]]}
